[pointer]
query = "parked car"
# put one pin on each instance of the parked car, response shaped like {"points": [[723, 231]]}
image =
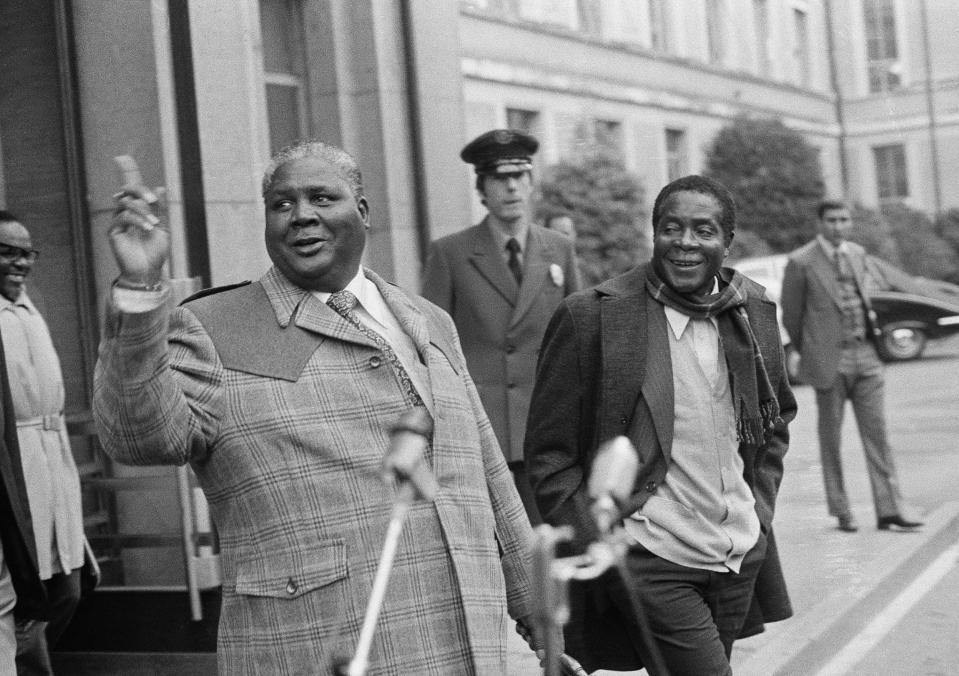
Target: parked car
{"points": [[921, 310]]}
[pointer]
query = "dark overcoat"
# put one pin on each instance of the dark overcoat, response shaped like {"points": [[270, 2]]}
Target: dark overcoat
{"points": [[594, 382], [16, 526]]}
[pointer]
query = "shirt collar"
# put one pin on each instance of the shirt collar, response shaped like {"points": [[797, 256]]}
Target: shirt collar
{"points": [[679, 321], [829, 248], [367, 295], [23, 301], [500, 236], [357, 287]]}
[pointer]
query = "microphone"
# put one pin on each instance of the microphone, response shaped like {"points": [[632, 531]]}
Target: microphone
{"points": [[405, 460], [611, 481]]}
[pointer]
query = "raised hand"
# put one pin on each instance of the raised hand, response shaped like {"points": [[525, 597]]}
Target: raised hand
{"points": [[139, 240]]}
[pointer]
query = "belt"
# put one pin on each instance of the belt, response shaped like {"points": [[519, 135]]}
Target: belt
{"points": [[43, 422]]}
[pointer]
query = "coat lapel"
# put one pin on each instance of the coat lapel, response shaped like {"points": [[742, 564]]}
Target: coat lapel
{"points": [[631, 327], [412, 322], [294, 304], [490, 264], [10, 464], [407, 314], [658, 384], [536, 260]]}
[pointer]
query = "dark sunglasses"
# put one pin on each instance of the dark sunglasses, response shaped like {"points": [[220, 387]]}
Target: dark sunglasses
{"points": [[14, 253]]}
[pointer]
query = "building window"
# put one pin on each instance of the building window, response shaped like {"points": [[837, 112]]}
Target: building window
{"points": [[677, 155], [801, 47], [493, 6], [714, 31], [523, 120], [591, 17], [621, 22], [761, 24], [284, 71], [891, 176], [882, 52], [563, 13], [608, 134], [658, 25]]}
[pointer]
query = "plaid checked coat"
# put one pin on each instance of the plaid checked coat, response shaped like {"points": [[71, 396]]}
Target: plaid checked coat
{"points": [[283, 409]]}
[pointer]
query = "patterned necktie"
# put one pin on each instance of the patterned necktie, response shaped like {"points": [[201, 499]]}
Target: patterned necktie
{"points": [[514, 265], [343, 303]]}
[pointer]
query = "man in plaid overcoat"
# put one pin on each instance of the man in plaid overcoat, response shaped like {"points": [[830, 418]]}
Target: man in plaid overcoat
{"points": [[283, 408]]}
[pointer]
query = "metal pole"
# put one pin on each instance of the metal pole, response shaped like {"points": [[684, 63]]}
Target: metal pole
{"points": [[550, 611], [931, 110], [834, 81], [361, 659], [189, 555]]}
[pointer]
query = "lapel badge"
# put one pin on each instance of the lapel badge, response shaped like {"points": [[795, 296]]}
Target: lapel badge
{"points": [[556, 274]]}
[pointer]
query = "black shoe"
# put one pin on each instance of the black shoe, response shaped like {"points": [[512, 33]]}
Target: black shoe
{"points": [[887, 522], [847, 523]]}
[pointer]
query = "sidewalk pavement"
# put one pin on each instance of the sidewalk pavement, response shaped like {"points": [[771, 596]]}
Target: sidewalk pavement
{"points": [[843, 599]]}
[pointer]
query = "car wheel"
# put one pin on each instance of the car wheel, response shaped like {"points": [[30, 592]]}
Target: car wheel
{"points": [[900, 342]]}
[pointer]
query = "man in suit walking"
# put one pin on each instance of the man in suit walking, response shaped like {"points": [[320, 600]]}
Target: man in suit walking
{"points": [[501, 280], [281, 394], [682, 356], [827, 312]]}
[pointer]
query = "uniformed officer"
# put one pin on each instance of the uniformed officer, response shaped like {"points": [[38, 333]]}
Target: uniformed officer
{"points": [[501, 280]]}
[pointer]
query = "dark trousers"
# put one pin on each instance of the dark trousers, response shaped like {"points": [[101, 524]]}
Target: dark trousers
{"points": [[694, 614], [34, 638], [525, 490]]}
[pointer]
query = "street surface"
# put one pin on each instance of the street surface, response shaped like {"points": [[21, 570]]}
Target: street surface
{"points": [[871, 602]]}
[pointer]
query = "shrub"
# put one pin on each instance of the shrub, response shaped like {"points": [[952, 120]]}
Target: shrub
{"points": [[607, 205], [908, 239], [775, 177]]}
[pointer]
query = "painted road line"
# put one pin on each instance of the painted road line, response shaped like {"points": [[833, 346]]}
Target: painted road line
{"points": [[857, 649]]}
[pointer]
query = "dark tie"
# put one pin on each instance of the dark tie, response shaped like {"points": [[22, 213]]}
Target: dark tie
{"points": [[343, 303], [514, 265]]}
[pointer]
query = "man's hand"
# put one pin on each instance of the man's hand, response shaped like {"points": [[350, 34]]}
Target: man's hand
{"points": [[792, 364], [532, 634], [140, 242]]}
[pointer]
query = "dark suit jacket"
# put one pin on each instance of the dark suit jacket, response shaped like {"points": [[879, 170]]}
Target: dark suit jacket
{"points": [[501, 324], [16, 527], [594, 383], [812, 309]]}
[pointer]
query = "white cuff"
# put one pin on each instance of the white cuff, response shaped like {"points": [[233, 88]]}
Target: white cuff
{"points": [[139, 300]]}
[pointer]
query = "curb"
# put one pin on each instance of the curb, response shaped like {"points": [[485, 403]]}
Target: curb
{"points": [[799, 646]]}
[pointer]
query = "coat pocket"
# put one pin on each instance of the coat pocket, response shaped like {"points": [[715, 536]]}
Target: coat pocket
{"points": [[292, 576]]}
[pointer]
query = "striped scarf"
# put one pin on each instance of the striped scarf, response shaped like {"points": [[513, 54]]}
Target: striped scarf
{"points": [[757, 409]]}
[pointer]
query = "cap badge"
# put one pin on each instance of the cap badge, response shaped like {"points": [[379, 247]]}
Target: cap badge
{"points": [[502, 136]]}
